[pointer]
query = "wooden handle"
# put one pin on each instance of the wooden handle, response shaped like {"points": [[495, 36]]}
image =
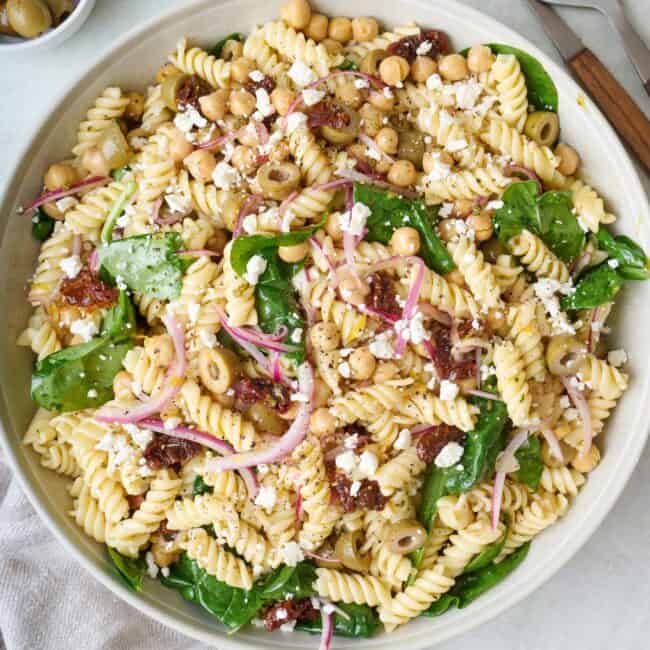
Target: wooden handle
{"points": [[626, 117]]}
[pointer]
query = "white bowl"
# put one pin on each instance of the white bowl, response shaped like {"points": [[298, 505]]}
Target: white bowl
{"points": [[17, 46], [132, 62]]}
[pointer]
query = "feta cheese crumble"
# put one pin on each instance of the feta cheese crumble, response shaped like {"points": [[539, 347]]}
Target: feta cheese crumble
{"points": [[354, 220], [225, 176], [266, 497], [301, 74], [311, 96], [617, 357], [449, 455], [85, 328], [71, 266], [448, 390], [403, 440], [254, 269]]}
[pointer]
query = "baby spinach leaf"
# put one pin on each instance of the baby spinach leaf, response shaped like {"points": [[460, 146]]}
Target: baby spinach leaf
{"points": [[147, 264], [286, 580], [388, 212], [119, 322], [596, 287], [201, 487], [482, 445], [632, 260], [470, 586], [348, 64], [218, 48], [130, 570], [362, 622], [489, 553], [529, 457], [42, 225], [542, 93], [550, 216]]}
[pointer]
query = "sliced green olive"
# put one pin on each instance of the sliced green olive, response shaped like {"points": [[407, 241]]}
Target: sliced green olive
{"points": [[114, 147], [266, 419], [411, 147], [28, 18], [278, 180], [348, 551], [405, 537], [492, 249], [543, 127], [370, 62], [565, 355], [169, 90], [346, 134], [5, 27]]}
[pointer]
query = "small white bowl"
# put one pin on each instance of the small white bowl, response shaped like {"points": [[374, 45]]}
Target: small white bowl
{"points": [[10, 45]]}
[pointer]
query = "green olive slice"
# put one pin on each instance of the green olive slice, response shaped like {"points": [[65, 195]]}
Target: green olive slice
{"points": [[28, 18], [347, 550], [543, 127], [405, 537], [565, 355], [346, 134], [278, 180], [370, 62], [169, 90]]}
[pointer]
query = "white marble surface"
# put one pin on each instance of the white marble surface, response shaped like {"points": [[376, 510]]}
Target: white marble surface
{"points": [[599, 600]]}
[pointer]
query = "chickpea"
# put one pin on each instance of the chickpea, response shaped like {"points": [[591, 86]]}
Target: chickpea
{"points": [[241, 68], [244, 159], [232, 50], [349, 94], [382, 101], [364, 28], [242, 103], [362, 364], [447, 229], [294, 253], [296, 13], [463, 208], [455, 277], [402, 173], [422, 68], [372, 119], [353, 291], [387, 140], [179, 147], [386, 370], [569, 159], [333, 226], [325, 336], [340, 29], [28, 18], [479, 59], [333, 47], [482, 225], [160, 349], [94, 161], [166, 71], [214, 105], [453, 67], [322, 422], [317, 28], [279, 152], [405, 241], [322, 393], [587, 462], [282, 98], [135, 107], [200, 164], [60, 175], [393, 70]]}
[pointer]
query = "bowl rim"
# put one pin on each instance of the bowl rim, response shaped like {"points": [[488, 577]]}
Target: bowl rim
{"points": [[66, 29], [599, 509]]}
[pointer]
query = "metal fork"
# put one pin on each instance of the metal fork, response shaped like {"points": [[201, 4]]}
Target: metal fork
{"points": [[634, 46]]}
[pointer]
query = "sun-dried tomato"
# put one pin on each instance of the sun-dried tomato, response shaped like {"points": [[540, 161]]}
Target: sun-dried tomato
{"points": [[383, 296], [167, 451], [135, 501], [327, 114], [289, 610], [88, 291], [190, 90], [266, 82], [407, 47], [430, 444], [368, 495], [249, 391]]}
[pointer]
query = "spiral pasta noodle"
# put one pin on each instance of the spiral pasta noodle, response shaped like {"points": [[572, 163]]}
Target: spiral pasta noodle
{"points": [[511, 87], [536, 257], [197, 61], [511, 379], [351, 587]]}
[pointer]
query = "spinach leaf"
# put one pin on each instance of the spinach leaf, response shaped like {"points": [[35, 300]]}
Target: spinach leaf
{"points": [[200, 487], [130, 570], [119, 322], [362, 622], [146, 264], [596, 287], [489, 553], [529, 457], [549, 216], [632, 261], [42, 225], [348, 64], [388, 212], [472, 585], [116, 211], [286, 580], [218, 48], [482, 446], [542, 93]]}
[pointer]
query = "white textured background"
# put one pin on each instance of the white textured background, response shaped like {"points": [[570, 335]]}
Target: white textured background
{"points": [[601, 599]]}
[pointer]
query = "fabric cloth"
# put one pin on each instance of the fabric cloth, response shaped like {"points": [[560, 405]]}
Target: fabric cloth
{"points": [[50, 602]]}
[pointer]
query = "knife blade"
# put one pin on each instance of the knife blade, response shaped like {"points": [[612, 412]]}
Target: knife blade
{"points": [[565, 39]]}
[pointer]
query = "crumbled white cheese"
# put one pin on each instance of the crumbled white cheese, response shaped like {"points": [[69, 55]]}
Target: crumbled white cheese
{"points": [[346, 461], [296, 335], [178, 202], [189, 118], [354, 488], [351, 441], [446, 210], [92, 393], [290, 626], [301, 74], [85, 328], [264, 105], [225, 176], [368, 464], [287, 220], [266, 497], [545, 289], [565, 402], [439, 170], [613, 264], [424, 48], [171, 423], [255, 267], [295, 120], [617, 357], [449, 455], [71, 266], [361, 83], [249, 224], [434, 82], [66, 203], [494, 205], [152, 567], [448, 390], [291, 553], [207, 339], [165, 571], [381, 348], [311, 96], [141, 437], [354, 221], [487, 371], [403, 440], [344, 369], [256, 76], [467, 93]]}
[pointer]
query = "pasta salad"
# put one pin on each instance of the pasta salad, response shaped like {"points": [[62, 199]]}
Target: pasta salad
{"points": [[320, 322]]}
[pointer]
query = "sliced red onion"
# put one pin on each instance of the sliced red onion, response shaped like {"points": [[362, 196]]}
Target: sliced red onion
{"points": [[328, 629], [206, 440], [173, 382], [553, 442], [249, 206], [505, 463], [155, 211], [478, 355], [93, 262], [250, 335], [421, 429], [483, 394], [349, 197], [357, 177], [217, 142], [330, 185], [383, 315], [371, 144], [581, 404], [288, 442], [520, 170], [411, 302], [55, 195], [276, 373]]}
